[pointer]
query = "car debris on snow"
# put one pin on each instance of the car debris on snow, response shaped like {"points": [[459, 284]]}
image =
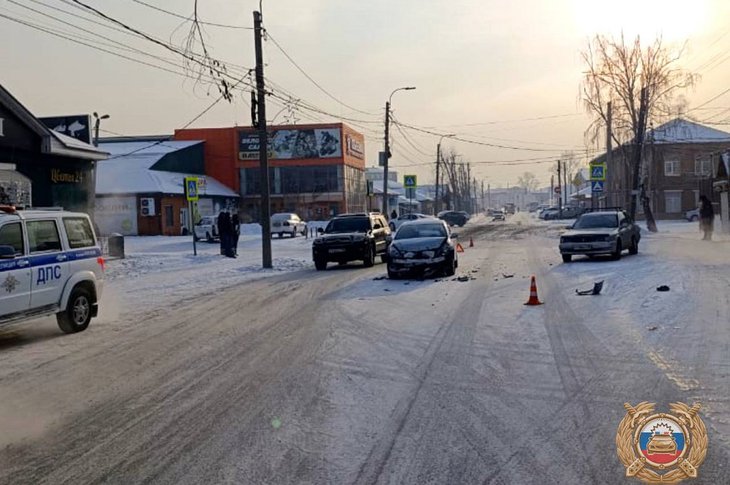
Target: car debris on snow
{"points": [[662, 288]]}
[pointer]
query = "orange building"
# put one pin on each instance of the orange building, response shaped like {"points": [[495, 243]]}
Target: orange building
{"points": [[316, 171]]}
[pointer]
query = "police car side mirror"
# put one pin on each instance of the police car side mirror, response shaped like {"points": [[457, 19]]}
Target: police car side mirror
{"points": [[7, 252]]}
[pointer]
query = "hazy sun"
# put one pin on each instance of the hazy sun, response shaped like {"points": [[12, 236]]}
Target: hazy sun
{"points": [[674, 20]]}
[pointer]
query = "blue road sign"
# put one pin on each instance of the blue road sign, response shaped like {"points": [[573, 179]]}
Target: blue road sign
{"points": [[410, 181], [598, 171], [597, 186]]}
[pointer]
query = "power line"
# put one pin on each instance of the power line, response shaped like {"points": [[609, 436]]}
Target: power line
{"points": [[499, 122], [196, 118], [211, 24], [270, 37]]}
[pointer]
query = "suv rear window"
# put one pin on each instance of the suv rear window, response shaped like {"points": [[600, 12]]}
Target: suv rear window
{"points": [[349, 224], [79, 232], [43, 236]]}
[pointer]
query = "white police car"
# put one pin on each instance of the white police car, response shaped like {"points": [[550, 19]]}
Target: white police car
{"points": [[50, 263]]}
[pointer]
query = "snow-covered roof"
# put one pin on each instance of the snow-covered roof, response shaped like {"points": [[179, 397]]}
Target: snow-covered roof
{"points": [[69, 146], [683, 131], [128, 170]]}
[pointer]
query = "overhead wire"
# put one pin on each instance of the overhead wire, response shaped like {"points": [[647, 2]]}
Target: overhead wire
{"points": [[177, 15]]}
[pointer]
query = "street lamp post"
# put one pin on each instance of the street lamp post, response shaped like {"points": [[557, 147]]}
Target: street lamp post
{"points": [[387, 147], [437, 204], [97, 122]]}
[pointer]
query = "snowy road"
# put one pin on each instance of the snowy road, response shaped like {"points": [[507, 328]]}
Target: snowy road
{"points": [[337, 377]]}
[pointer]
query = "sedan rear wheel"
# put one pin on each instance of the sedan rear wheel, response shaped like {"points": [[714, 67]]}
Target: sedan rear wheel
{"points": [[567, 258], [617, 254], [369, 259]]}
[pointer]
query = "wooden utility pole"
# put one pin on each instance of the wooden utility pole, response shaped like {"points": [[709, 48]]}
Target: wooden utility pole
{"points": [[638, 150], [263, 146], [387, 157], [609, 150], [560, 190], [437, 202]]}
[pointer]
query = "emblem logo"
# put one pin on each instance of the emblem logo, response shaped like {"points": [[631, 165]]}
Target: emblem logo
{"points": [[661, 447], [10, 283]]}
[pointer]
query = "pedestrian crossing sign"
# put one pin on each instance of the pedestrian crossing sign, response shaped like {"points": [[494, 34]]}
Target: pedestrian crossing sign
{"points": [[410, 181], [597, 186], [191, 189], [598, 171]]}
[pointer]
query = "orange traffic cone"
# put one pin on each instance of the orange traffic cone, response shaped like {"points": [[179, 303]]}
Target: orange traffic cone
{"points": [[471, 242], [459, 248], [533, 294]]}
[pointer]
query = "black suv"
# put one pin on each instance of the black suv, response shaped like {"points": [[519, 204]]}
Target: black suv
{"points": [[350, 237], [453, 218]]}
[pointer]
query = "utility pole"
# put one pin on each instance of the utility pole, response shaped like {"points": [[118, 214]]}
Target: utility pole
{"points": [[468, 187], [609, 145], [387, 157], [263, 146], [483, 196], [638, 150], [560, 190], [565, 183], [437, 204], [489, 195]]}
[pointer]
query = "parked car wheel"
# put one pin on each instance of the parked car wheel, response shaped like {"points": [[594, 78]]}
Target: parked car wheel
{"points": [[567, 258], [320, 264], [450, 268], [694, 219], [383, 258], [617, 254], [634, 248], [77, 315], [392, 274], [369, 258]]}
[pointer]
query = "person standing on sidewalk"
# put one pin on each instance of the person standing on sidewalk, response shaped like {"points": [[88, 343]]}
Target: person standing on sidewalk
{"points": [[707, 218], [224, 229], [235, 233]]}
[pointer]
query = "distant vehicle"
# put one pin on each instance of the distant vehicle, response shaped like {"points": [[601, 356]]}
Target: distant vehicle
{"points": [[692, 215], [567, 213], [351, 237], [50, 263], [498, 216], [207, 228], [396, 223], [600, 232], [453, 218], [508, 208], [287, 223], [422, 246], [548, 212]]}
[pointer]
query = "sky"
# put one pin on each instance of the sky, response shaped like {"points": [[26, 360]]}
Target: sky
{"points": [[494, 72]]}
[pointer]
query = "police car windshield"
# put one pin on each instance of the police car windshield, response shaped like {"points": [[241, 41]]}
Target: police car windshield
{"points": [[347, 224], [594, 221]]}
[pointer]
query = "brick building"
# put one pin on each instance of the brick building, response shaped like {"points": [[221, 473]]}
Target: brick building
{"points": [[677, 168]]}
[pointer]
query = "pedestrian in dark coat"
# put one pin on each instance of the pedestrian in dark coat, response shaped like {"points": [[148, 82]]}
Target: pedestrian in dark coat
{"points": [[707, 218], [393, 215], [235, 233], [224, 231]]}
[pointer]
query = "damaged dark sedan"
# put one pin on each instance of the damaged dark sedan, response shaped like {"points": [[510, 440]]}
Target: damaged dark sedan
{"points": [[422, 248]]}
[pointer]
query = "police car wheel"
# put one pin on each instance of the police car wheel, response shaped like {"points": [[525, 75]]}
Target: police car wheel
{"points": [[77, 315]]}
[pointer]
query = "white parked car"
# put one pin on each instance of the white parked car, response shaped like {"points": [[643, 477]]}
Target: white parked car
{"points": [[397, 222], [207, 228], [287, 223], [50, 263]]}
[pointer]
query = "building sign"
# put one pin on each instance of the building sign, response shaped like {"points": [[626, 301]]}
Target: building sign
{"points": [[77, 126], [293, 144], [116, 214], [354, 147], [61, 177]]}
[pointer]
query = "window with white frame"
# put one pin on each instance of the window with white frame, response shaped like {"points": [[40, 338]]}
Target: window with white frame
{"points": [[703, 166], [672, 202], [672, 168]]}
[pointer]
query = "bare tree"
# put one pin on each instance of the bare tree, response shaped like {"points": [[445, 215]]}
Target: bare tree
{"points": [[640, 82], [528, 181], [457, 180]]}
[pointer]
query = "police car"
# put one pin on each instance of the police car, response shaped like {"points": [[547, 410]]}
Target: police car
{"points": [[50, 263]]}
